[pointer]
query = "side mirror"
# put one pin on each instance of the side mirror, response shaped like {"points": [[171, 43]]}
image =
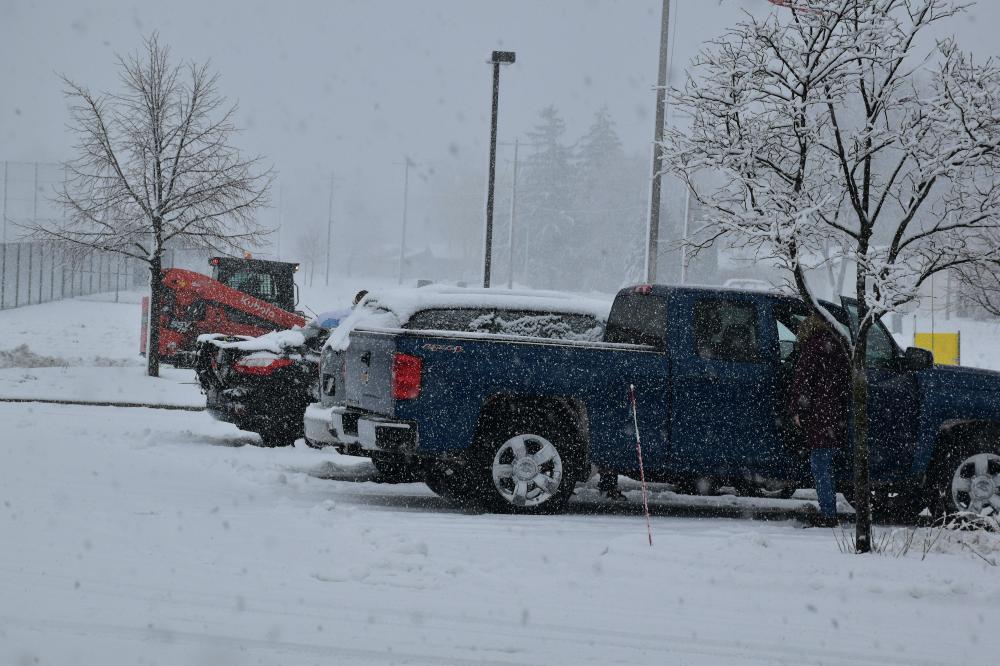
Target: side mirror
{"points": [[917, 359]]}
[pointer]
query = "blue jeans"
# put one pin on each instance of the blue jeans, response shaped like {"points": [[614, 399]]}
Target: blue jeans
{"points": [[821, 462]]}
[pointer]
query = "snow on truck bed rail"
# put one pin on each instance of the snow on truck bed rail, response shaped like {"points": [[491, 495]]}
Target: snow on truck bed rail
{"points": [[392, 308]]}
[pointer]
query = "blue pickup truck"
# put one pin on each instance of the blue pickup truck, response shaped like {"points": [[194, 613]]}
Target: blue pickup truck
{"points": [[513, 423]]}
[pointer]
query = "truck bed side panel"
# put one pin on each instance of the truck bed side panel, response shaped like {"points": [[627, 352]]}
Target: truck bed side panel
{"points": [[460, 375]]}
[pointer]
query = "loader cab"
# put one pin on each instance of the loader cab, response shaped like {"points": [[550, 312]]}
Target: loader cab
{"points": [[270, 281]]}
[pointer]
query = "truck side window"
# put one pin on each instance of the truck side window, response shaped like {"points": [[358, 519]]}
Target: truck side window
{"points": [[638, 319], [726, 331], [788, 318], [882, 349]]}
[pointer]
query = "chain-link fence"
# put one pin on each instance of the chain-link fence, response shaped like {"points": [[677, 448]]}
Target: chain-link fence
{"points": [[38, 272]]}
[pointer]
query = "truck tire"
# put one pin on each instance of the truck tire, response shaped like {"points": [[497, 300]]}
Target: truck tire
{"points": [[968, 480], [393, 469], [450, 482], [526, 463]]}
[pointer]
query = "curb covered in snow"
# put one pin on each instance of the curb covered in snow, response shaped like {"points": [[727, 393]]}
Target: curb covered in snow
{"points": [[104, 403]]}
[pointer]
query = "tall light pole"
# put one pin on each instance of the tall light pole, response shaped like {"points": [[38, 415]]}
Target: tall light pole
{"points": [[498, 58], [654, 190], [407, 163]]}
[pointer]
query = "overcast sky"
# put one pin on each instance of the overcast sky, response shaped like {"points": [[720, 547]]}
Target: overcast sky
{"points": [[351, 86]]}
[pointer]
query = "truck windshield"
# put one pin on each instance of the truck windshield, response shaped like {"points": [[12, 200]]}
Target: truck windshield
{"points": [[551, 325], [638, 319]]}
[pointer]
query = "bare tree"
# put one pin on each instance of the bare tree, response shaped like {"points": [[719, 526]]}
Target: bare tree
{"points": [[155, 166], [836, 130]]}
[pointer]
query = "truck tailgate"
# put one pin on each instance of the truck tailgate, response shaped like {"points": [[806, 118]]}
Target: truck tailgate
{"points": [[368, 376]]}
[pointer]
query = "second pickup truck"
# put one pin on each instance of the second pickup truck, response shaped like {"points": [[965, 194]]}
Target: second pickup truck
{"points": [[513, 423]]}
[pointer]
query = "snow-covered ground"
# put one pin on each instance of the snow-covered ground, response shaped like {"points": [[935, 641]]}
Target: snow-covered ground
{"points": [[142, 536]]}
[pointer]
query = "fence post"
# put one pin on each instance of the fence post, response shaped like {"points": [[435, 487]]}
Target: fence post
{"points": [[3, 274], [41, 270], [17, 277], [52, 272], [31, 253]]}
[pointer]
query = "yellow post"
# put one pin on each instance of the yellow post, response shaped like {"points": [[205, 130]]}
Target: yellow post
{"points": [[947, 347]]}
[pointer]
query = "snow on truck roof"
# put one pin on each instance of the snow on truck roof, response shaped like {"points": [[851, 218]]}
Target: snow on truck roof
{"points": [[406, 302], [391, 308]]}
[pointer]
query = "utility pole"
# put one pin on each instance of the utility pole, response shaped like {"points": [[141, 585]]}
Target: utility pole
{"points": [[402, 233], [329, 231], [513, 216], [684, 246], [6, 168], [277, 252], [652, 244], [510, 232], [3, 240], [498, 58]]}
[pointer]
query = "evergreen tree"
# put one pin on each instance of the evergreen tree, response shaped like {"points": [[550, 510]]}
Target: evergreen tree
{"points": [[607, 207], [545, 225]]}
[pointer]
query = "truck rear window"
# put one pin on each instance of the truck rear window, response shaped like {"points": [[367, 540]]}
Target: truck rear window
{"points": [[638, 319], [551, 325]]}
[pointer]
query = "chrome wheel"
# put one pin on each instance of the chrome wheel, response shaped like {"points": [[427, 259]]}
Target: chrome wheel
{"points": [[975, 485], [527, 470]]}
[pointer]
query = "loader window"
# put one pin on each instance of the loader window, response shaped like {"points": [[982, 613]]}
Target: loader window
{"points": [[259, 285]]}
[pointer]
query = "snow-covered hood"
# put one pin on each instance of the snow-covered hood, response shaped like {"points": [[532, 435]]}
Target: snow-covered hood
{"points": [[394, 307]]}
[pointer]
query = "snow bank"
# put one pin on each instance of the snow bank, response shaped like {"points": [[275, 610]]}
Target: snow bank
{"points": [[128, 384], [80, 328], [23, 357]]}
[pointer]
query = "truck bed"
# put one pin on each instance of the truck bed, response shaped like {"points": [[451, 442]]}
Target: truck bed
{"points": [[462, 372]]}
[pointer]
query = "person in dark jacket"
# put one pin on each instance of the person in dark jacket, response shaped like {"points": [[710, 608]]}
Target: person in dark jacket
{"points": [[819, 404]]}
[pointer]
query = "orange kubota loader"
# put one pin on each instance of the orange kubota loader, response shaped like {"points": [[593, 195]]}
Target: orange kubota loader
{"points": [[243, 297]]}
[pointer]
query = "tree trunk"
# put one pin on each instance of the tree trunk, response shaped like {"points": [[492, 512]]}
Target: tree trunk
{"points": [[862, 482], [155, 306]]}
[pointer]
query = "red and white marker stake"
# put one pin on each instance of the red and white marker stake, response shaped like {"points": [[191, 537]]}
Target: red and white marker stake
{"points": [[638, 449]]}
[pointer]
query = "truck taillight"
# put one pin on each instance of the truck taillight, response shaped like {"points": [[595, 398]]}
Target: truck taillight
{"points": [[261, 366], [406, 371]]}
